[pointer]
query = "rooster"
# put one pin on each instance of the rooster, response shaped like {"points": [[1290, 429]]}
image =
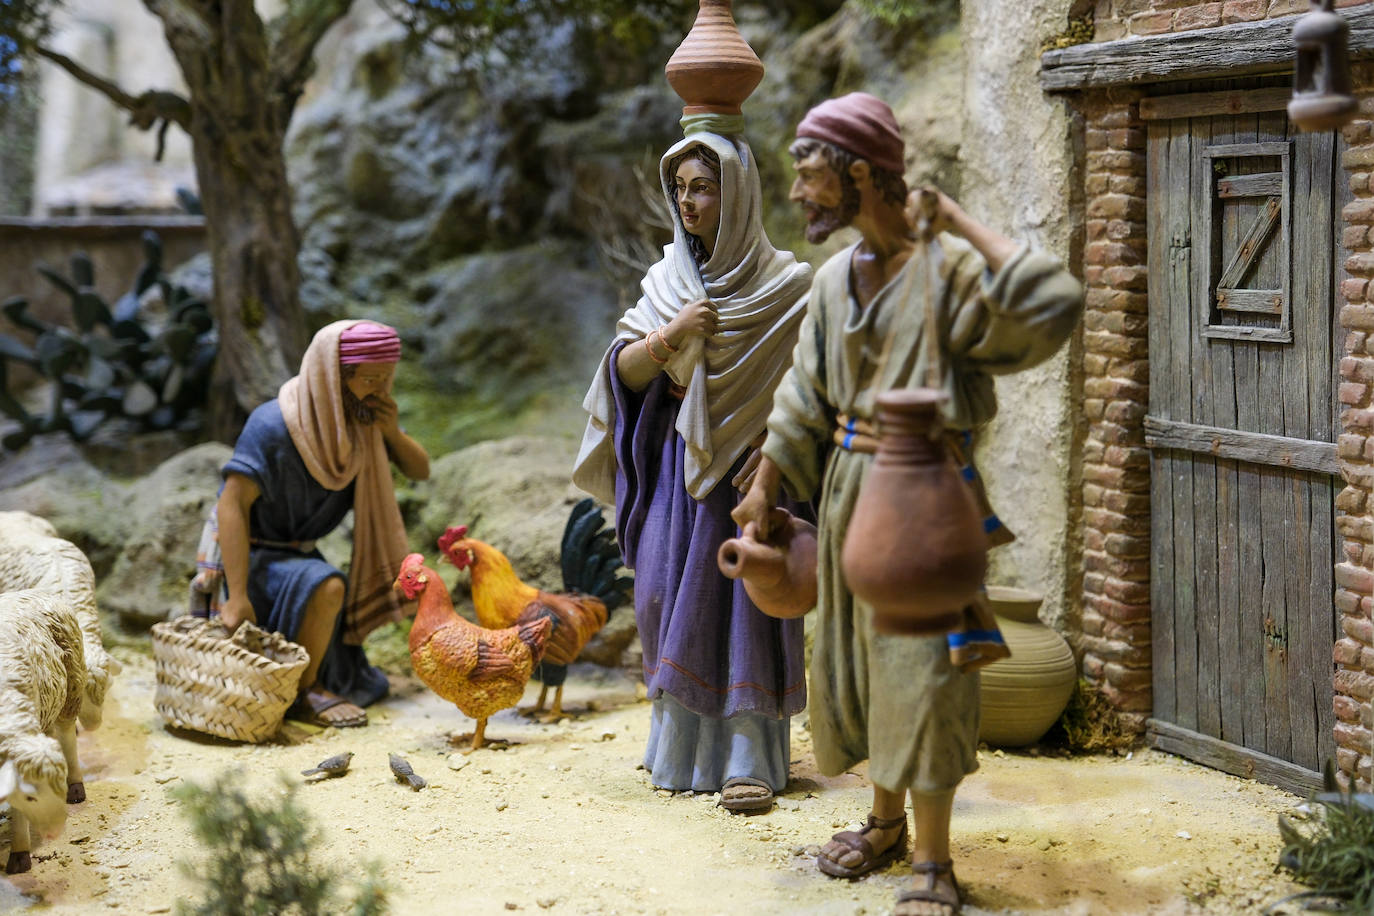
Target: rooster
{"points": [[590, 559], [481, 671]]}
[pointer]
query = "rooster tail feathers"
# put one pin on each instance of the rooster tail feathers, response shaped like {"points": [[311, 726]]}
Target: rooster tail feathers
{"points": [[591, 557]]}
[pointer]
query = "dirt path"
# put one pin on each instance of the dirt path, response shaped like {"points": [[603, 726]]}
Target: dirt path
{"points": [[563, 821]]}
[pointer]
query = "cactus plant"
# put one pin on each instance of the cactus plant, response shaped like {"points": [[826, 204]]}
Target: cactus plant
{"points": [[113, 362]]}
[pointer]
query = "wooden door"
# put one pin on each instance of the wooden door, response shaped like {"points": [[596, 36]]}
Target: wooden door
{"points": [[1243, 216]]}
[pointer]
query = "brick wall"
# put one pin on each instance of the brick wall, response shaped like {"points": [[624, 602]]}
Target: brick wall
{"points": [[1116, 469], [1122, 18], [1354, 651]]}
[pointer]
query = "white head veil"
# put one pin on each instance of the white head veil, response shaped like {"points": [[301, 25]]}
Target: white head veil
{"points": [[760, 297]]}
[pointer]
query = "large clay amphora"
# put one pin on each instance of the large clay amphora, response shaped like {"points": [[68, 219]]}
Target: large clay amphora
{"points": [[779, 574], [915, 548], [714, 70], [1022, 696]]}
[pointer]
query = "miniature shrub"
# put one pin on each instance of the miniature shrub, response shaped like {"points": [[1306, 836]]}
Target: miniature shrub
{"points": [[901, 12], [1330, 846], [259, 857]]}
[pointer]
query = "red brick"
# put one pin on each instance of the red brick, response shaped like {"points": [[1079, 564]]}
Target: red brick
{"points": [[1109, 608], [1128, 701], [1351, 499], [1137, 370], [1124, 678], [1360, 629], [1357, 368], [1353, 393], [1116, 161], [1243, 10], [1346, 652], [1134, 277], [1106, 252], [1122, 324], [1359, 211], [1127, 184], [1356, 684], [1357, 419], [1135, 504], [1353, 288], [1118, 456], [1359, 181], [1117, 116], [1132, 138], [1203, 16], [1346, 709], [1151, 23], [1347, 602], [1355, 737], [1093, 408], [1355, 578]]}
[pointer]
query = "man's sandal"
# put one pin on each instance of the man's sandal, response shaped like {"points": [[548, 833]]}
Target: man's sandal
{"points": [[856, 841], [741, 794], [932, 892], [312, 704]]}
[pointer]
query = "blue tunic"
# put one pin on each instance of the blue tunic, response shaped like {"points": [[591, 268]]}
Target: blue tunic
{"points": [[293, 507]]}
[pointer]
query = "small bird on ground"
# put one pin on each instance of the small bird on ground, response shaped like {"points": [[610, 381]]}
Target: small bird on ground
{"points": [[332, 766], [401, 767]]}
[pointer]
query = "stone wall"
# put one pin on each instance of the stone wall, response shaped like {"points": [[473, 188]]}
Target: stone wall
{"points": [[1354, 651], [1116, 369], [1027, 454]]}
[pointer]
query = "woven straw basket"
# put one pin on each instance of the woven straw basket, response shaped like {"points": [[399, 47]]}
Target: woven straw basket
{"points": [[236, 687]]}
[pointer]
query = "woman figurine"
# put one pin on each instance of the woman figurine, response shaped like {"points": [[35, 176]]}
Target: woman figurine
{"points": [[677, 408]]}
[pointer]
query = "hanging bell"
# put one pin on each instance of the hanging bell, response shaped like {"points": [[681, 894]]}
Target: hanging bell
{"points": [[1322, 99]]}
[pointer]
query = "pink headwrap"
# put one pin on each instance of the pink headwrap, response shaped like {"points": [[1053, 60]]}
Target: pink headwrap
{"points": [[861, 124], [369, 342]]}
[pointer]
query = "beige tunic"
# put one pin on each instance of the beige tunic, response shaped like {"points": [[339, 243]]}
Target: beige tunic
{"points": [[896, 700]]}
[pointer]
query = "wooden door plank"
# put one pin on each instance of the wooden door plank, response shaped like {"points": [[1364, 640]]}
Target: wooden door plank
{"points": [[1257, 231], [1259, 184], [1167, 240], [1256, 448], [1206, 104], [1229, 758], [1278, 539]]}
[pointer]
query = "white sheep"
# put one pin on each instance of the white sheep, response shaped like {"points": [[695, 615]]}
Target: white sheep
{"points": [[42, 685], [33, 556]]}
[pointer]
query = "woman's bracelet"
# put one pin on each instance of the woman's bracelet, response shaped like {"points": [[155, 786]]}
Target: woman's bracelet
{"points": [[663, 339], [649, 348]]}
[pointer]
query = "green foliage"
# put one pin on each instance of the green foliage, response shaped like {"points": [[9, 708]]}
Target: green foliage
{"points": [[112, 362], [1331, 847], [22, 24], [260, 857], [514, 24], [904, 12]]}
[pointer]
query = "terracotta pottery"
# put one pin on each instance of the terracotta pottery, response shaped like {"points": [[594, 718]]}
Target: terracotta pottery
{"points": [[1022, 696], [915, 548], [779, 574], [714, 70]]}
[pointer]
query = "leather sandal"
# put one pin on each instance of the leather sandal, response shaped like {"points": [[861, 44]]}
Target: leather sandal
{"points": [[932, 892], [740, 802], [856, 841], [313, 702]]}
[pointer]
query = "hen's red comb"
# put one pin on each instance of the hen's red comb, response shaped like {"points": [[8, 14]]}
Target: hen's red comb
{"points": [[447, 539]]}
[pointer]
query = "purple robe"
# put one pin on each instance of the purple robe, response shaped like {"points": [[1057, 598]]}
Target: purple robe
{"points": [[705, 643]]}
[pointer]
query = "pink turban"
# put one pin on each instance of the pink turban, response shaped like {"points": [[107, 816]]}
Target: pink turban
{"points": [[858, 123], [369, 342]]}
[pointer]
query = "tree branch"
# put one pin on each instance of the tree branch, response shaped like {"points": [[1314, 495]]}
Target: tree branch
{"points": [[294, 34], [184, 20], [145, 109]]}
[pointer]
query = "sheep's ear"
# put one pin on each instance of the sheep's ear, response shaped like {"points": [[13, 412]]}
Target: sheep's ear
{"points": [[9, 779]]}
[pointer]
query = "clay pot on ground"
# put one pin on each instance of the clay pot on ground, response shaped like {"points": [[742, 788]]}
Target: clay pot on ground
{"points": [[915, 548], [779, 574], [1022, 696]]}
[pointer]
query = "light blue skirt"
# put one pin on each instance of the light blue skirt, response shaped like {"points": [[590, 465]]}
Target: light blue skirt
{"points": [[688, 751]]}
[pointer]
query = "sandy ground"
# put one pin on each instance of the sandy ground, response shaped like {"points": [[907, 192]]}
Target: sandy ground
{"points": [[563, 821]]}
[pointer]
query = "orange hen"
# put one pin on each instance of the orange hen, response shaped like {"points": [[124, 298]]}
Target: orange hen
{"points": [[481, 671], [590, 560]]}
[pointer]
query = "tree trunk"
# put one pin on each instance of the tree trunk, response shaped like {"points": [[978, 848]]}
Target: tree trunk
{"points": [[253, 247]]}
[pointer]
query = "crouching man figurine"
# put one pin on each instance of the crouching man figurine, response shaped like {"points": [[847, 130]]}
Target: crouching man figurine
{"points": [[323, 447], [907, 704]]}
